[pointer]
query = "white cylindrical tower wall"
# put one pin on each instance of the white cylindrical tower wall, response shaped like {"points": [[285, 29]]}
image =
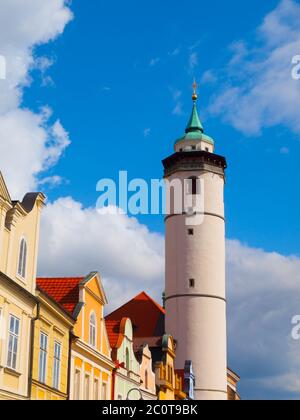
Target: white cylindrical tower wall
{"points": [[195, 281]]}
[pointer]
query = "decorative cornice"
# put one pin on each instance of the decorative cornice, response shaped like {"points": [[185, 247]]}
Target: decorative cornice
{"points": [[16, 286], [194, 161], [49, 388], [95, 353], [195, 214], [196, 295]]}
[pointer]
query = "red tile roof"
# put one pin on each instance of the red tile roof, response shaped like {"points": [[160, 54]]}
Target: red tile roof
{"points": [[113, 330], [146, 315], [63, 290]]}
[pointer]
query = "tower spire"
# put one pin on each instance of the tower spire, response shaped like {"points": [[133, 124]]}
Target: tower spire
{"points": [[194, 123], [195, 94]]}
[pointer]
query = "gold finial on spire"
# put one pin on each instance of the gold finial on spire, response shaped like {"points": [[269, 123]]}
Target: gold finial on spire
{"points": [[195, 95]]}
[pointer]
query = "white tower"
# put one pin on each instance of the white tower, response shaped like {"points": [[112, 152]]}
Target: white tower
{"points": [[195, 262]]}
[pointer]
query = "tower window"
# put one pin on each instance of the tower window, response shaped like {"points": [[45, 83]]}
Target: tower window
{"points": [[193, 187], [192, 283], [191, 232], [193, 148], [207, 149]]}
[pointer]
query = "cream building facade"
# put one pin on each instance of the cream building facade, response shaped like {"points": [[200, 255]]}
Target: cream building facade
{"points": [[148, 385], [19, 238]]}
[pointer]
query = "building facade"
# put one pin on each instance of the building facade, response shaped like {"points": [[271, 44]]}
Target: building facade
{"points": [[91, 366], [232, 386], [148, 385], [170, 385], [53, 331], [195, 259], [188, 379], [126, 377], [19, 238], [148, 317]]}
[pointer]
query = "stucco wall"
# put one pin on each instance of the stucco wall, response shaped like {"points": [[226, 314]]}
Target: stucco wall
{"points": [[197, 317]]}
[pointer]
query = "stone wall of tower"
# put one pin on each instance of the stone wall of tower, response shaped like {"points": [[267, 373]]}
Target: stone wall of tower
{"points": [[196, 311]]}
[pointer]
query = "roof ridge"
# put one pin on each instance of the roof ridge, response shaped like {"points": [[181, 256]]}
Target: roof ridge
{"points": [[153, 301], [61, 278], [134, 299]]}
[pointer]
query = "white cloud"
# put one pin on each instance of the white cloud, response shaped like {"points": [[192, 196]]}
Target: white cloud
{"points": [[263, 288], [285, 151], [175, 52], [75, 241], [263, 297], [29, 144], [106, 89], [176, 95], [260, 91], [147, 132], [52, 181], [193, 61], [43, 64], [208, 77], [154, 61], [178, 109]]}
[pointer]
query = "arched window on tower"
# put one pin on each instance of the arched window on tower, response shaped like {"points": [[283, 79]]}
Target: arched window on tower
{"points": [[93, 329], [22, 259]]}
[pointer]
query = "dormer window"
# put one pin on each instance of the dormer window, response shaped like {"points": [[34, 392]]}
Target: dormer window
{"points": [[22, 259]]}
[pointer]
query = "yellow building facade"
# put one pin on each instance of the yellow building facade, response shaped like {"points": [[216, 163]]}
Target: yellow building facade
{"points": [[91, 363], [170, 385], [52, 342], [19, 237]]}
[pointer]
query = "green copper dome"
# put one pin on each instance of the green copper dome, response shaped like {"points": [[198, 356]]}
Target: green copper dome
{"points": [[194, 130]]}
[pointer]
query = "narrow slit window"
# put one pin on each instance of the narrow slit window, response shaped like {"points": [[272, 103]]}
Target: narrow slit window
{"points": [[192, 283]]}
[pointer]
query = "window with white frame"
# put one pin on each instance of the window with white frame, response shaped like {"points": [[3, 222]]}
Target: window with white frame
{"points": [[1, 325], [22, 259], [43, 357], [104, 391], [56, 365], [13, 342], [87, 387], [96, 389], [77, 385], [93, 329]]}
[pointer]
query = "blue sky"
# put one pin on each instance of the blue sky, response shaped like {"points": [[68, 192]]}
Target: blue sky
{"points": [[116, 69], [97, 87]]}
